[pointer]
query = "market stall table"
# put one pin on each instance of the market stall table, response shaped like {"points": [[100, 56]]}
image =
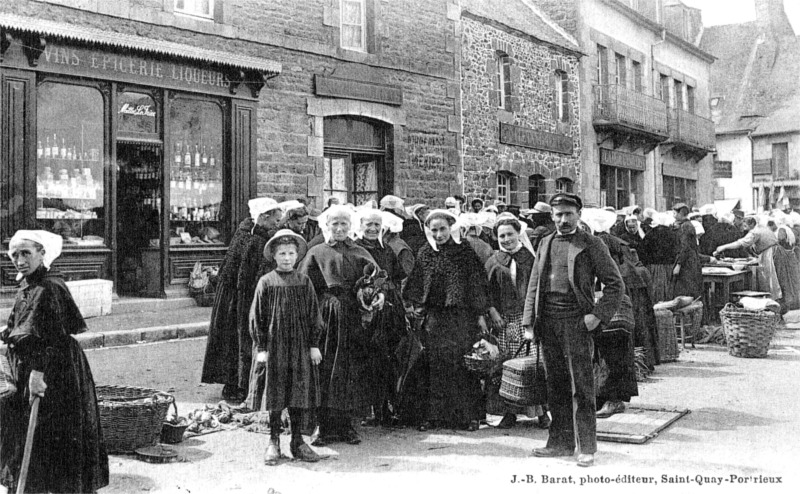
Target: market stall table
{"points": [[718, 285]]}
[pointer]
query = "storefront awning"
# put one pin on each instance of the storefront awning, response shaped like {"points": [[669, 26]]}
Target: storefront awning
{"points": [[90, 35]]}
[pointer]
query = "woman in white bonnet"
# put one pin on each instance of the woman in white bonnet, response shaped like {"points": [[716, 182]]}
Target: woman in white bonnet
{"points": [[68, 452]]}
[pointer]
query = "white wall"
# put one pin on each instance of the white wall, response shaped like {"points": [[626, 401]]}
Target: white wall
{"points": [[737, 149]]}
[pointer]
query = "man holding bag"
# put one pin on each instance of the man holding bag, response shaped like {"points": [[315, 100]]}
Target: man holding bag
{"points": [[561, 314]]}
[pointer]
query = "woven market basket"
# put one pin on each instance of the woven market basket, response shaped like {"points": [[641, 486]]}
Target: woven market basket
{"points": [[523, 381], [131, 417], [748, 332], [668, 348]]}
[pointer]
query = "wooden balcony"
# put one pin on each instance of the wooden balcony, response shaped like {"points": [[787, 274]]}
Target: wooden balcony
{"points": [[626, 111], [690, 130]]}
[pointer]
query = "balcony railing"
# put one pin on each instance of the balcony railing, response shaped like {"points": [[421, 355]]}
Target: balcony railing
{"points": [[616, 105], [692, 130]]}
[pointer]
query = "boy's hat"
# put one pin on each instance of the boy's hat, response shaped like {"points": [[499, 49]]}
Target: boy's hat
{"points": [[302, 246]]}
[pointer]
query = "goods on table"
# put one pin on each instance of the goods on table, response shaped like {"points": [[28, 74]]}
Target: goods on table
{"points": [[748, 332]]}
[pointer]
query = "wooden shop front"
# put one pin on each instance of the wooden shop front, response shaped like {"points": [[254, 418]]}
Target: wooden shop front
{"points": [[140, 153]]}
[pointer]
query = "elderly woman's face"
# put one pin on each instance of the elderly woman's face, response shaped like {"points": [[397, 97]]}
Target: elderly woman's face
{"points": [[28, 257], [339, 227], [372, 227], [632, 226], [440, 228], [508, 237]]}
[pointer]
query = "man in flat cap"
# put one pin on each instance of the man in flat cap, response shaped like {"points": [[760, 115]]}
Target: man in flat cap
{"points": [[560, 312], [541, 221]]}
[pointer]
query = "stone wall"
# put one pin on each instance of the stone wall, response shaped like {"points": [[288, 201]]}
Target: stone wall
{"points": [[534, 66]]}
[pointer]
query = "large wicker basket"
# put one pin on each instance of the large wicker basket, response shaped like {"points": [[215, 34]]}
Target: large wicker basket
{"points": [[748, 332], [668, 348], [523, 382], [131, 417]]}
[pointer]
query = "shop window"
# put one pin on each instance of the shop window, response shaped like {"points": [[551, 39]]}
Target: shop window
{"points": [[564, 185], [536, 190], [506, 184], [70, 172], [196, 171], [562, 95], [504, 85], [196, 8], [677, 189], [619, 186], [354, 24]]}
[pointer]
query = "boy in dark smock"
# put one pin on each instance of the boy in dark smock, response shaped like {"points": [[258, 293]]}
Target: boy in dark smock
{"points": [[285, 325], [68, 453]]}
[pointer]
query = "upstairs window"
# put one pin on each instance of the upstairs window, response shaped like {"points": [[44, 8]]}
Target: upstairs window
{"points": [[562, 96], [602, 64], [196, 8], [354, 25], [678, 99], [637, 76], [620, 76], [504, 81], [690, 99]]}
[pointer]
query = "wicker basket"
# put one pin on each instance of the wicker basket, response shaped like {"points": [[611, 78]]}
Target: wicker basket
{"points": [[667, 340], [523, 382], [131, 417], [748, 332]]}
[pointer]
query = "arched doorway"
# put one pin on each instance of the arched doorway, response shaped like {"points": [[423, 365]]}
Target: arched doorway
{"points": [[358, 165]]}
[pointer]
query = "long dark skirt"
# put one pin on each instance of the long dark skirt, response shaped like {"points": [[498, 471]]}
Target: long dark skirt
{"points": [[616, 349], [646, 333], [221, 363], [662, 282], [68, 452], [787, 268], [387, 328], [455, 395]]}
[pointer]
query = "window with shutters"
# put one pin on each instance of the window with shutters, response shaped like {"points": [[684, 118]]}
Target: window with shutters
{"points": [[636, 68], [562, 95], [678, 99], [690, 99], [504, 85], [602, 64]]}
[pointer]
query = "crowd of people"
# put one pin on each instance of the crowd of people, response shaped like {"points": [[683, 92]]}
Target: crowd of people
{"points": [[363, 314]]}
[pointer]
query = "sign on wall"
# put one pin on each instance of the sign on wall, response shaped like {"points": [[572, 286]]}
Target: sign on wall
{"points": [[358, 90], [535, 139], [620, 159], [762, 167], [722, 169]]}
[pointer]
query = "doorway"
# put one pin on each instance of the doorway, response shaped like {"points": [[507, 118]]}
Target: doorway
{"points": [[357, 160], [139, 200]]}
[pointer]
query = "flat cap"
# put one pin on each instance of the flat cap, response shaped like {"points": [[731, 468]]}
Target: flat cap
{"points": [[679, 206], [566, 199]]}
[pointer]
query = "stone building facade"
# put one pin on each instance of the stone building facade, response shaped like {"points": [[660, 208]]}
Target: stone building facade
{"points": [[645, 82], [521, 137]]}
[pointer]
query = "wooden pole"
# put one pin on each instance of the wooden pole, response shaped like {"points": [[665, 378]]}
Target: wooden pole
{"points": [[26, 457]]}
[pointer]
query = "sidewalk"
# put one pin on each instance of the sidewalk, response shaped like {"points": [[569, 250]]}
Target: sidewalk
{"points": [[146, 320]]}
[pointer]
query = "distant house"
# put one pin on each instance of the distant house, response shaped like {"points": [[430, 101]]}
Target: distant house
{"points": [[755, 100]]}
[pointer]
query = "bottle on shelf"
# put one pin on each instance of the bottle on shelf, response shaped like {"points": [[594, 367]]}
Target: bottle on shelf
{"points": [[63, 150], [196, 155], [177, 158], [39, 150], [212, 160], [69, 154], [204, 156], [47, 151], [187, 158], [74, 154], [54, 149]]}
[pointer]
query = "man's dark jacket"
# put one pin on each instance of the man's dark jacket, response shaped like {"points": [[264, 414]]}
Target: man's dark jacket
{"points": [[589, 260]]}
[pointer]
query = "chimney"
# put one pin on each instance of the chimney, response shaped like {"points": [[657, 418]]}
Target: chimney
{"points": [[772, 18]]}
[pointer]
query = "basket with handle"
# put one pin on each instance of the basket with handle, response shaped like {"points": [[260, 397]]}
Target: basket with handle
{"points": [[484, 367], [748, 333], [131, 417], [523, 381]]}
